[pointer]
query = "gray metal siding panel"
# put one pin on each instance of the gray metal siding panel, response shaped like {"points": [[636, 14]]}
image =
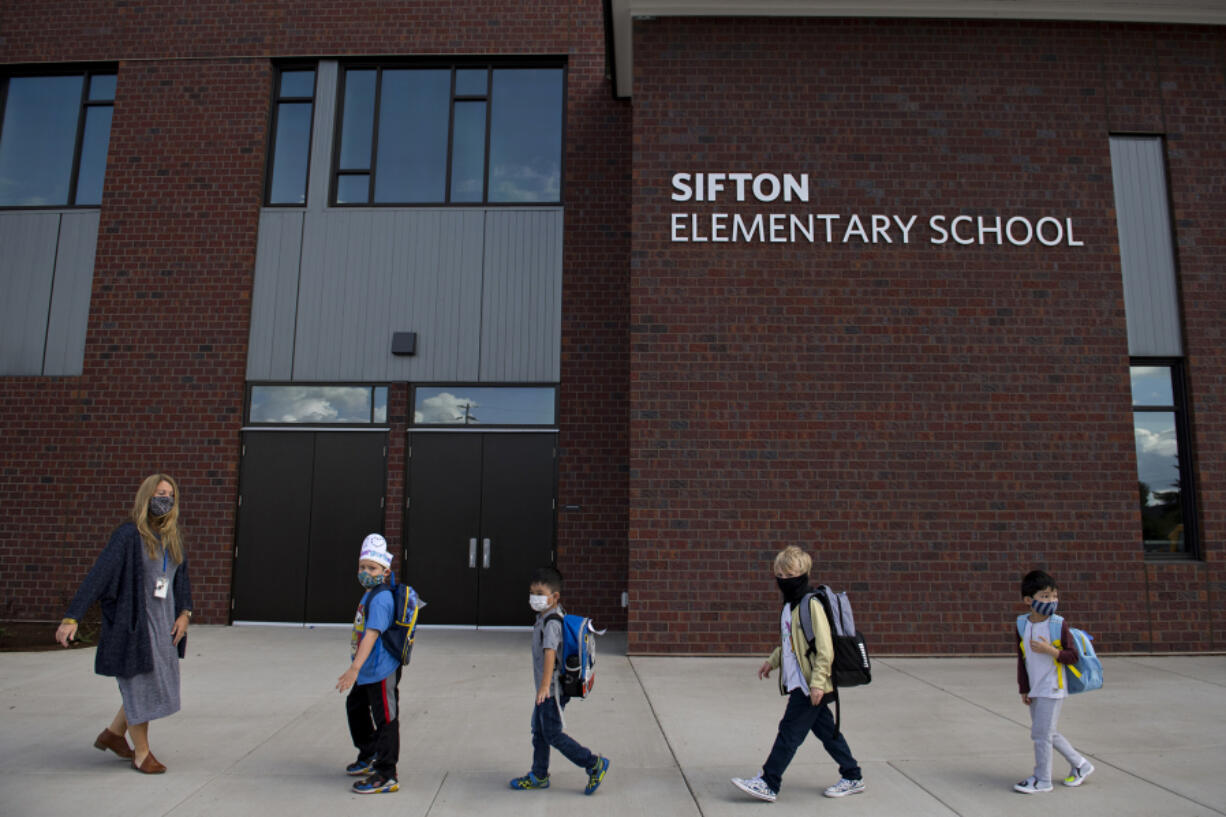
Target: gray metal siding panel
{"points": [[274, 298], [521, 327], [1147, 255], [368, 273], [324, 125], [27, 255], [70, 294]]}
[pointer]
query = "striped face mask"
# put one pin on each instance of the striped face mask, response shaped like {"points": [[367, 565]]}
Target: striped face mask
{"points": [[1043, 608]]}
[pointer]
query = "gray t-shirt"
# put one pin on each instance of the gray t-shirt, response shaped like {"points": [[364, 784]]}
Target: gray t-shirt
{"points": [[547, 635]]}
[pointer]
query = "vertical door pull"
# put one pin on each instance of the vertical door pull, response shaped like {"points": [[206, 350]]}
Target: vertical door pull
{"points": [[485, 553], [472, 552]]}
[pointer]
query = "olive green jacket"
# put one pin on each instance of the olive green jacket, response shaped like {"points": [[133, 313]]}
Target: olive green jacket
{"points": [[817, 669]]}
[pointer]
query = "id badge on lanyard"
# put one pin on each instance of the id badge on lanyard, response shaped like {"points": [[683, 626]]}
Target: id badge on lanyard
{"points": [[162, 586]]}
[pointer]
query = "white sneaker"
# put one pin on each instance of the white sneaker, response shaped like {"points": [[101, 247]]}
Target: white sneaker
{"points": [[1078, 776], [1031, 785], [755, 787], [845, 787]]}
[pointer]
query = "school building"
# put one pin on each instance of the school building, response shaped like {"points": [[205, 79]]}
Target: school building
{"points": [[648, 289]]}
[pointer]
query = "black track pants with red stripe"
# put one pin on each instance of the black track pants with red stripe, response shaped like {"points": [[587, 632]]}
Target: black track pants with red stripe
{"points": [[374, 722]]}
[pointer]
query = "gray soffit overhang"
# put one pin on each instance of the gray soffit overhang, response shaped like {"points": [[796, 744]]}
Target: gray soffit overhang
{"points": [[619, 15]]}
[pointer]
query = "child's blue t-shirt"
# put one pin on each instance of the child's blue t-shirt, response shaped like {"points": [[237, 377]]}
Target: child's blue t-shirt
{"points": [[376, 614]]}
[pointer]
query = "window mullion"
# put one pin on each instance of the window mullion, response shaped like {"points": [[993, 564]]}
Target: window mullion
{"points": [[76, 153]]}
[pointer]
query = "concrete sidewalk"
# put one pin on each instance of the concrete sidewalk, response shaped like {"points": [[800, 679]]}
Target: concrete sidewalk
{"points": [[263, 733]]}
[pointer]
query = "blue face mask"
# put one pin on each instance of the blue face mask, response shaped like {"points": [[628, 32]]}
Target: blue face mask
{"points": [[368, 581], [1043, 608]]}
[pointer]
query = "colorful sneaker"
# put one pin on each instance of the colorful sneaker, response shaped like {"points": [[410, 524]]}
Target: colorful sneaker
{"points": [[596, 774], [361, 767], [376, 784], [845, 787], [755, 787], [530, 781], [1078, 776], [1031, 785]]}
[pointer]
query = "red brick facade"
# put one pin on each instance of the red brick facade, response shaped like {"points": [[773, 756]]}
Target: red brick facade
{"points": [[930, 420], [165, 355]]}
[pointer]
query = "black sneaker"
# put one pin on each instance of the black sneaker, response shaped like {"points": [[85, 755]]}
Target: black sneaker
{"points": [[361, 767], [376, 784]]}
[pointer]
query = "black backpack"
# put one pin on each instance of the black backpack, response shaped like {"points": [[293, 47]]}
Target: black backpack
{"points": [[851, 667]]}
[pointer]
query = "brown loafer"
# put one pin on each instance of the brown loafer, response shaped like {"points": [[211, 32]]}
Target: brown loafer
{"points": [[116, 743], [149, 765]]}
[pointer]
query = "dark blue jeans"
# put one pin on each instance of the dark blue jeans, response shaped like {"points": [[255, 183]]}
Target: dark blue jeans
{"points": [[547, 732], [799, 719]]}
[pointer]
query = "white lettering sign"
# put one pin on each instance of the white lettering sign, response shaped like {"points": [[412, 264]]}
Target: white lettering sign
{"points": [[803, 227]]}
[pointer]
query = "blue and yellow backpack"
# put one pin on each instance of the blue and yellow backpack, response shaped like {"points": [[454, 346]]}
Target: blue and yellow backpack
{"points": [[1087, 673]]}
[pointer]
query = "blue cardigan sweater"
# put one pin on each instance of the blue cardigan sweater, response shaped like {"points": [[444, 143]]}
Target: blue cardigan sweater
{"points": [[117, 581]]}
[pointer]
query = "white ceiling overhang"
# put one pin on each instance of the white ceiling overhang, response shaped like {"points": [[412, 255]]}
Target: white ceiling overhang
{"points": [[619, 15]]}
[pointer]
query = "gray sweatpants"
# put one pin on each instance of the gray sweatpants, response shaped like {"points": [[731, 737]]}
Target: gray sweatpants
{"points": [[1044, 712]]}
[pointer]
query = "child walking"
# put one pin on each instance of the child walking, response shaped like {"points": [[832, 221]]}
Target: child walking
{"points": [[545, 592], [373, 679], [805, 679], [1040, 680]]}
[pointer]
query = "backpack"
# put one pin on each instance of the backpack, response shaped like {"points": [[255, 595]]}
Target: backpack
{"points": [[398, 637], [578, 655], [851, 667], [1084, 676]]}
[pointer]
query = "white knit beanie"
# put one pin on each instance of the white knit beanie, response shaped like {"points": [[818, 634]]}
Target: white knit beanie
{"points": [[374, 549]]}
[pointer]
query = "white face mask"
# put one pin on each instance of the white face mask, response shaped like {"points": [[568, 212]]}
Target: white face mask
{"points": [[538, 603]]}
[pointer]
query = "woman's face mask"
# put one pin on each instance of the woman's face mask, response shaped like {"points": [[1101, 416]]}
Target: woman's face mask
{"points": [[161, 505]]}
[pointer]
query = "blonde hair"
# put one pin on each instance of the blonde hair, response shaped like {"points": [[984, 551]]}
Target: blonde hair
{"points": [[793, 561], [165, 526]]}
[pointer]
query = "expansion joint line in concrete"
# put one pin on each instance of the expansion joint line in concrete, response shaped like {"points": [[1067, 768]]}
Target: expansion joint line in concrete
{"points": [[656, 717], [919, 785]]}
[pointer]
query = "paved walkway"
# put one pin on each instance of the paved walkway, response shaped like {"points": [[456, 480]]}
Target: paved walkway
{"points": [[263, 733]]}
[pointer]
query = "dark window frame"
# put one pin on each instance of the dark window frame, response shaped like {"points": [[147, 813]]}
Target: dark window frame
{"points": [[490, 64], [372, 385], [414, 425], [86, 71], [274, 121], [1179, 407]]}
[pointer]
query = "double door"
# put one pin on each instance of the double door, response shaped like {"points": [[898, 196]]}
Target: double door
{"points": [[306, 501], [479, 519]]}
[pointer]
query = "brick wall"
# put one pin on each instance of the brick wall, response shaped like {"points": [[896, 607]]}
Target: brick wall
{"points": [[165, 357], [931, 421]]}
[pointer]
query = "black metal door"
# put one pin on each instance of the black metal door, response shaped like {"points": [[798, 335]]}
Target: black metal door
{"points": [[517, 523], [346, 504], [444, 509], [274, 523], [307, 501], [480, 518]]}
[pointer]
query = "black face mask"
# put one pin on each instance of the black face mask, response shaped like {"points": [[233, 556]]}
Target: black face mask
{"points": [[793, 589]]}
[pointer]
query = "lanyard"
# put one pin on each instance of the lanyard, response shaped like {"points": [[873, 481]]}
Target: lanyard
{"points": [[163, 561]]}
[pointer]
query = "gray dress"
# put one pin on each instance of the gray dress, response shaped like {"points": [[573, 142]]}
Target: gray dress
{"points": [[155, 694]]}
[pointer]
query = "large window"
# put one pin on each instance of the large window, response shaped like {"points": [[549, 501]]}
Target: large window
{"points": [[484, 405], [54, 137], [1164, 473], [469, 134], [293, 107]]}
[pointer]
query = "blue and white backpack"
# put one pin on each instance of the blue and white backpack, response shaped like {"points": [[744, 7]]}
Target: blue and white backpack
{"points": [[578, 655], [1087, 673]]}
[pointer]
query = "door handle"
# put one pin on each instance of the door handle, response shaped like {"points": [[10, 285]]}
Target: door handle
{"points": [[472, 552], [485, 553]]}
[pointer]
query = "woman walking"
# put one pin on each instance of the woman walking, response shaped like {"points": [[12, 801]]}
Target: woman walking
{"points": [[141, 581]]}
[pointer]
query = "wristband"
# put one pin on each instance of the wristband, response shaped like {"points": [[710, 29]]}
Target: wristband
{"points": [[66, 621]]}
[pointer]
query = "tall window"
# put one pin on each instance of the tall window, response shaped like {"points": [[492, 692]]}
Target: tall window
{"points": [[1164, 475], [470, 134], [54, 137], [293, 107]]}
